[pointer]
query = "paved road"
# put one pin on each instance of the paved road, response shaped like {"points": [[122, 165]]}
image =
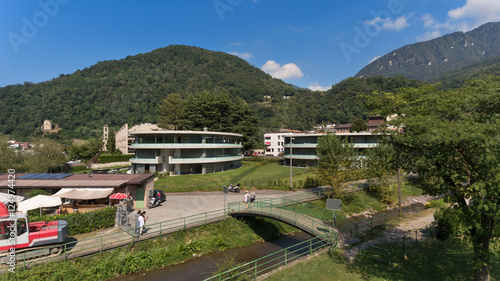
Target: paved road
{"points": [[180, 205]]}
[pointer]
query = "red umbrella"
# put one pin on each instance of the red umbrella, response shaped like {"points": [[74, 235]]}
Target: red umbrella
{"points": [[118, 196]]}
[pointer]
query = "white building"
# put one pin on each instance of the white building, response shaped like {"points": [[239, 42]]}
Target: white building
{"points": [[185, 152], [275, 142]]}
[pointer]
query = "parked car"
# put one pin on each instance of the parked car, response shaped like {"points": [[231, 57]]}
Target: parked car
{"points": [[159, 194]]}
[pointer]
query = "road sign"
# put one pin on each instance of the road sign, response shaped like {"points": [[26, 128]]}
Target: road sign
{"points": [[333, 204], [224, 189]]}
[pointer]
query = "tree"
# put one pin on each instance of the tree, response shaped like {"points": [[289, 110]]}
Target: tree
{"points": [[172, 112], [451, 140], [8, 158], [380, 165], [48, 156], [84, 150], [358, 126], [337, 162]]}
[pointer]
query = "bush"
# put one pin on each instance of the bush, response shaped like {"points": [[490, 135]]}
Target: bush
{"points": [[449, 224], [108, 158], [83, 222], [435, 204]]}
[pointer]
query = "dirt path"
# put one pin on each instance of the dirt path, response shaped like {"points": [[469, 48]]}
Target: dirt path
{"points": [[414, 225]]}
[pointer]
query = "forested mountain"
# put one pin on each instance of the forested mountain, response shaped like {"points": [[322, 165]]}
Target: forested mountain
{"points": [[128, 90], [457, 78], [424, 60], [342, 104]]}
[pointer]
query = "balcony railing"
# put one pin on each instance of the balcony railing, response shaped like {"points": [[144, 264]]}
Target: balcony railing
{"points": [[155, 160], [186, 145], [181, 160]]}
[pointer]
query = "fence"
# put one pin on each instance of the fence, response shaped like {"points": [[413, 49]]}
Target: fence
{"points": [[86, 247], [251, 270], [377, 253]]}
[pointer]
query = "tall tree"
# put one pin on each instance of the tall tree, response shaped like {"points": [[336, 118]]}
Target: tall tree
{"points": [[337, 163], [171, 112], [380, 165], [48, 156], [8, 159], [358, 125], [452, 142]]}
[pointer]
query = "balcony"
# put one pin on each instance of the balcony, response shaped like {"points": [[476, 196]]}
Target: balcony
{"points": [[136, 145], [301, 156], [155, 160], [301, 145], [201, 160]]}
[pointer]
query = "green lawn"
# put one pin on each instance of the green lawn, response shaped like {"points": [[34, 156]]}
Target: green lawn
{"points": [[448, 260], [258, 178]]}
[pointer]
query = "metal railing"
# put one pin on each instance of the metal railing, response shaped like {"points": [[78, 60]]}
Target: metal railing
{"points": [[377, 253], [252, 269]]}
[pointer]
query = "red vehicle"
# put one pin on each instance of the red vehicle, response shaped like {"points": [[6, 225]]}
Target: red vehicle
{"points": [[17, 233]]}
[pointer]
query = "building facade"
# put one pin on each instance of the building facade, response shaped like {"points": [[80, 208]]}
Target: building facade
{"points": [[301, 150], [274, 142], [185, 152], [124, 139]]}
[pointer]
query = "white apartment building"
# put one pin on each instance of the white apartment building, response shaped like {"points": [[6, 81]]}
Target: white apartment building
{"points": [[275, 142]]}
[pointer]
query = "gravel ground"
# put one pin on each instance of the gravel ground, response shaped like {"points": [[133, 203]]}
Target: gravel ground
{"points": [[403, 227]]}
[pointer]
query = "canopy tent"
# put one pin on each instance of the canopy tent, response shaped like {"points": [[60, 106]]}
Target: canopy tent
{"points": [[5, 198], [84, 193], [39, 201]]}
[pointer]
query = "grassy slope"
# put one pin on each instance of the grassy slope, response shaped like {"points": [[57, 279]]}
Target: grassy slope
{"points": [[448, 260]]}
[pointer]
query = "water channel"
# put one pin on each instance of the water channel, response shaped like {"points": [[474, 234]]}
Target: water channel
{"points": [[199, 268]]}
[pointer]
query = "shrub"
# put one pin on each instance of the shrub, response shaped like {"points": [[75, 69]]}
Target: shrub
{"points": [[83, 222], [108, 158], [449, 224]]}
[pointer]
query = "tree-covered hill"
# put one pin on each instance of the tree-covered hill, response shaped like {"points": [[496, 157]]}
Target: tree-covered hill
{"points": [[128, 90], [456, 78], [424, 60]]}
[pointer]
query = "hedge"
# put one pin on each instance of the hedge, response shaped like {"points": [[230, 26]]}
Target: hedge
{"points": [[84, 222], [108, 158]]}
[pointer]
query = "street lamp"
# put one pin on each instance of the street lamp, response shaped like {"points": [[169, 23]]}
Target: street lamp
{"points": [[291, 179]]}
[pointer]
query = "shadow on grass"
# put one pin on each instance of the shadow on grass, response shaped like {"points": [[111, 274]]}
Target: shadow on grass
{"points": [[447, 260]]}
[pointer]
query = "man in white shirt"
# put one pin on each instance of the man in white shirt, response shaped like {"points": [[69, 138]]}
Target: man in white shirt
{"points": [[140, 222]]}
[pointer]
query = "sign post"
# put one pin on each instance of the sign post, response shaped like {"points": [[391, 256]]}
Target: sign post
{"points": [[334, 205], [224, 189]]}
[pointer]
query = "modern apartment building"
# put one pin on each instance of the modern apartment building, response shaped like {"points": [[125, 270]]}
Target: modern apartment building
{"points": [[274, 142], [185, 152], [302, 149]]}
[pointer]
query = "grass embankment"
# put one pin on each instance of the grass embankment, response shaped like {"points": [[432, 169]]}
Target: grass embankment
{"points": [[214, 181], [447, 260], [150, 255]]}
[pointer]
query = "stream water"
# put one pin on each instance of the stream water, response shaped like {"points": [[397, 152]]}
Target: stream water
{"points": [[199, 268], [202, 267]]}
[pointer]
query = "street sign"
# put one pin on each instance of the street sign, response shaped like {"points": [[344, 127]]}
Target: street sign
{"points": [[333, 204], [224, 189]]}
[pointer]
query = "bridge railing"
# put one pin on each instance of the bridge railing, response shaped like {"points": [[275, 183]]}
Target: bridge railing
{"points": [[252, 269]]}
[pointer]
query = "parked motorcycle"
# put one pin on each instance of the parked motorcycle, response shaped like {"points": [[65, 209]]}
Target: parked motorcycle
{"points": [[154, 202], [232, 188]]}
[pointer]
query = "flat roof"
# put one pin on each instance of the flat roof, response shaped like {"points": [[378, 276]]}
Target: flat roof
{"points": [[174, 132], [74, 180]]}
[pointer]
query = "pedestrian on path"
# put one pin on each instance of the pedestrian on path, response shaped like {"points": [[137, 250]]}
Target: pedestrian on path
{"points": [[252, 197], [247, 198], [145, 219], [140, 222]]}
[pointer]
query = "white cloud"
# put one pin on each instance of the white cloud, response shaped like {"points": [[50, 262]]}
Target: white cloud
{"points": [[480, 11], [316, 87], [287, 71], [244, 55], [428, 35], [374, 59], [387, 23], [237, 44], [428, 20]]}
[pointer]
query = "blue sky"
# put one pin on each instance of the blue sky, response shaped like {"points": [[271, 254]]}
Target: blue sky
{"points": [[312, 44]]}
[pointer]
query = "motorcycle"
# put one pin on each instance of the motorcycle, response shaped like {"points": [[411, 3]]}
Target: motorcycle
{"points": [[154, 202], [232, 188]]}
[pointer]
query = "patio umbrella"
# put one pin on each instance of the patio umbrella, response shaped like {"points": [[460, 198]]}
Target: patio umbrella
{"points": [[118, 196], [39, 201], [4, 198]]}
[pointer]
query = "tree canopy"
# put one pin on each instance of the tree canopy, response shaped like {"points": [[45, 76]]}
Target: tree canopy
{"points": [[451, 141]]}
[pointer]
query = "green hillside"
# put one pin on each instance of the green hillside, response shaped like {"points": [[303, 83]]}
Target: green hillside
{"points": [[425, 60], [456, 78], [128, 90]]}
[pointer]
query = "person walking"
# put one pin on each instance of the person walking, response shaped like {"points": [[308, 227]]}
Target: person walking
{"points": [[140, 222], [252, 197], [145, 217], [247, 198]]}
